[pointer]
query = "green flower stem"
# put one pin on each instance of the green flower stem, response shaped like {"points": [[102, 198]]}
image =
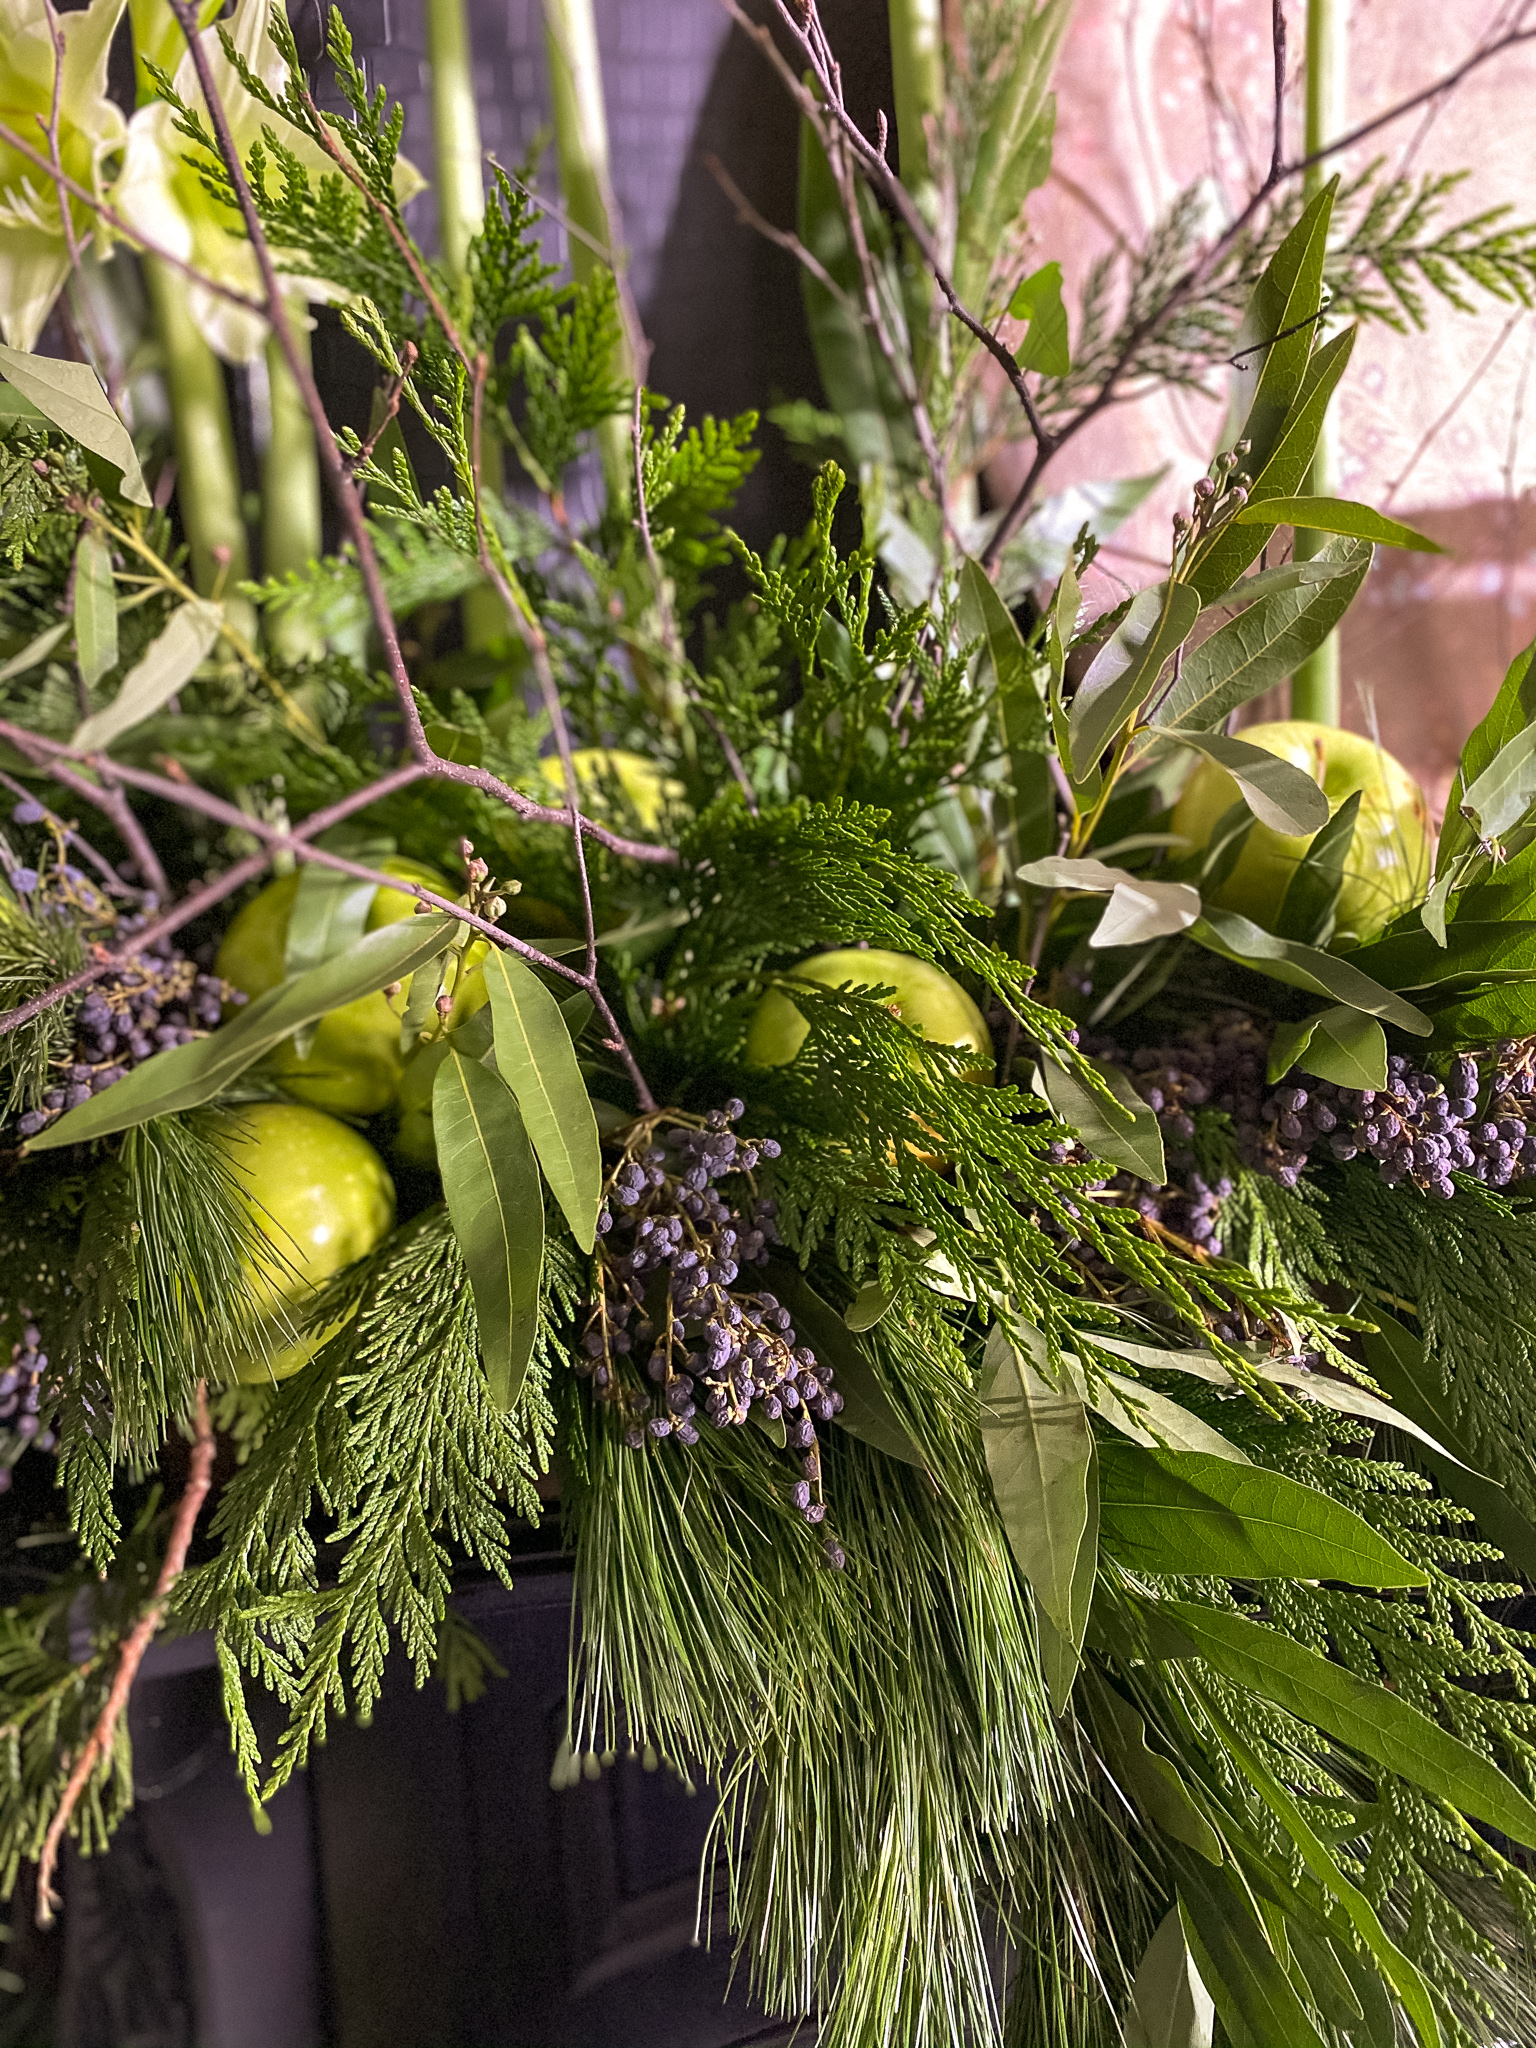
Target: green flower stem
{"points": [[1315, 691], [581, 146], [207, 475], [290, 494], [917, 65], [460, 186]]}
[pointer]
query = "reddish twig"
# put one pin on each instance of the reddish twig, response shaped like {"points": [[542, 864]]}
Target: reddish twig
{"points": [[131, 1655]]}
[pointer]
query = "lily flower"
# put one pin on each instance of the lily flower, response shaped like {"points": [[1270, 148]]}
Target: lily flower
{"points": [[34, 246]]}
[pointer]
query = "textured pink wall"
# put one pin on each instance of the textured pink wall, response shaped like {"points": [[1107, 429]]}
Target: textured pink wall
{"points": [[1439, 427]]}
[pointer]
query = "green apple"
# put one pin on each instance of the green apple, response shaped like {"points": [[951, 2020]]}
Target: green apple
{"points": [[322, 1197], [354, 1064], [1388, 864], [926, 998], [642, 782]]}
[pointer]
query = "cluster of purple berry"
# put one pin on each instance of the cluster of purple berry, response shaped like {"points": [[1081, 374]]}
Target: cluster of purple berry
{"points": [[152, 999], [20, 1399], [672, 1338], [1418, 1129]]}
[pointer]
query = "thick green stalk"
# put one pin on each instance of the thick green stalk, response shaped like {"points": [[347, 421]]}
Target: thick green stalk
{"points": [[917, 66], [581, 147], [457, 154], [207, 474], [290, 494], [1315, 691]]}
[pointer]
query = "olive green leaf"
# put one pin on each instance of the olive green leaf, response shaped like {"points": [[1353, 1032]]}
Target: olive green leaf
{"points": [[1339, 1045], [1278, 793], [868, 1412], [69, 395], [1364, 1717], [187, 1076], [1323, 974], [1177, 1512], [1127, 665], [868, 1306], [35, 651], [1021, 713], [1256, 1999], [491, 1185], [536, 1059], [1124, 1133], [1170, 2006], [1312, 894], [95, 607], [1046, 346], [1268, 582], [168, 662], [1338, 515], [1267, 643], [1039, 1447]]}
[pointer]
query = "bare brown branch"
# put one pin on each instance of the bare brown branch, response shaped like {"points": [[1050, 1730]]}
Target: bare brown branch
{"points": [[99, 1743]]}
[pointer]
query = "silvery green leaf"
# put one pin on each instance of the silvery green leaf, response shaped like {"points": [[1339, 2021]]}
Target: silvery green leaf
{"points": [[1126, 667], [35, 651], [1278, 793], [95, 607], [1139, 910], [1151, 1418], [169, 662], [1502, 794], [1238, 938], [535, 1057], [69, 395], [1124, 1133], [1170, 2006]]}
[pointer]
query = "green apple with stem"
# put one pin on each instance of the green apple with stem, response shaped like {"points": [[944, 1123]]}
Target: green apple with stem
{"points": [[322, 1198], [1388, 864], [354, 1065]]}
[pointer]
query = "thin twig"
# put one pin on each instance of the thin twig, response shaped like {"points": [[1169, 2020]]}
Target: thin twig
{"points": [[99, 1743], [111, 880], [1277, 41], [393, 391], [749, 217]]}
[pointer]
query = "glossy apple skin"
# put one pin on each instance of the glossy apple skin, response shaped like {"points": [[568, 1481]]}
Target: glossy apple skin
{"points": [[354, 1065], [642, 782], [926, 998], [1389, 863], [321, 1195]]}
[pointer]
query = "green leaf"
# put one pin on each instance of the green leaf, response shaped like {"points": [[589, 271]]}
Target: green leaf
{"points": [[1337, 515], [1321, 974], [187, 1076], [536, 1059], [1400, 1972], [1020, 712], [1367, 1718], [69, 395], [1286, 576], [1279, 794], [868, 1306], [1266, 644], [1511, 712], [330, 909], [1183, 1512], [1338, 1045], [169, 661], [1039, 1448], [1046, 346], [95, 607], [1255, 1998], [35, 650], [1125, 1133], [1170, 2006], [868, 1412], [1152, 1419], [1502, 794], [1285, 470], [1126, 667], [491, 1185], [1152, 1780], [1396, 1361], [1311, 896], [1475, 949], [1279, 358], [1138, 909]]}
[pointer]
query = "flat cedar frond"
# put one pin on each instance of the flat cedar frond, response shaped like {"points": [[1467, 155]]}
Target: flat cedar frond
{"points": [[392, 1432]]}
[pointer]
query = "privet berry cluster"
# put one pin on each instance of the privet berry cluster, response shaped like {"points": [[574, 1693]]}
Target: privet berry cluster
{"points": [[154, 999], [673, 1339], [21, 1396]]}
